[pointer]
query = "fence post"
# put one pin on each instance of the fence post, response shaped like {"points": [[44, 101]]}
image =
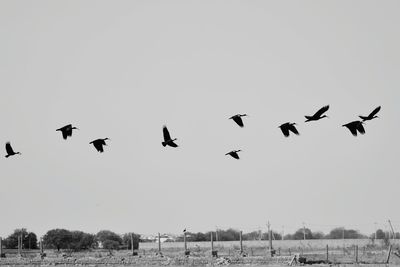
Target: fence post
{"points": [[212, 242], [132, 243], [356, 253], [327, 253], [241, 242], [388, 255], [20, 245], [1, 247], [184, 240], [41, 246], [159, 243], [290, 253]]}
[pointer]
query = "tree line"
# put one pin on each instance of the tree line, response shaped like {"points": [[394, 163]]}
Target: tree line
{"points": [[59, 239], [72, 240]]}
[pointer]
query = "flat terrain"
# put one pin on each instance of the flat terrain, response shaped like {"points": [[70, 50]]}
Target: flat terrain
{"points": [[255, 253]]}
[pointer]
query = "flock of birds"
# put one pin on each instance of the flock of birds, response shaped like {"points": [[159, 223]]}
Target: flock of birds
{"points": [[354, 127]]}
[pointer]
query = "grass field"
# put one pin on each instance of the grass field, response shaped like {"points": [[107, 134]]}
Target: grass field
{"points": [[340, 252]]}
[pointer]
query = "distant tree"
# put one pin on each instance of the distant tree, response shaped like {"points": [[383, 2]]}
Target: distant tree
{"points": [[126, 240], [58, 239], [29, 239], [299, 234], [81, 241], [380, 234], [255, 235], [111, 244], [228, 235], [341, 232], [109, 240], [318, 235]]}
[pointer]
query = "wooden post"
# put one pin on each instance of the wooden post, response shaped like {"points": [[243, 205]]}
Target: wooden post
{"points": [[356, 253], [20, 245], [132, 243], [212, 243], [290, 253], [41, 246], [388, 255], [184, 240], [1, 247], [241, 242], [270, 239], [159, 243], [327, 253]]}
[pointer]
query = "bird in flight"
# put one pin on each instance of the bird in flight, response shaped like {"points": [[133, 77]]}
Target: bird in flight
{"points": [[318, 115], [286, 127], [10, 151], [234, 154], [372, 115], [238, 119], [66, 131], [354, 127], [99, 143], [167, 138]]}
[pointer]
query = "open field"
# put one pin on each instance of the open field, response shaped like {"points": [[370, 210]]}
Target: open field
{"points": [[229, 253]]}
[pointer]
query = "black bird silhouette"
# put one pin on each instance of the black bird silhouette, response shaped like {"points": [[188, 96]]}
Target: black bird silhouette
{"points": [[10, 151], [355, 126], [184, 230], [167, 138], [99, 143], [372, 115], [67, 130], [234, 154], [286, 127], [318, 115], [238, 119]]}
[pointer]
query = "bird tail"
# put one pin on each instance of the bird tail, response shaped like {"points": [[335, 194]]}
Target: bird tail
{"points": [[308, 118], [164, 143], [7, 156]]}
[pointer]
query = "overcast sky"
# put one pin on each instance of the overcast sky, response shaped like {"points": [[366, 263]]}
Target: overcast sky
{"points": [[123, 69]]}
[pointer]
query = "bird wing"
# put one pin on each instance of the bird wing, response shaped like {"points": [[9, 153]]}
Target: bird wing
{"points": [[9, 149], [167, 137], [321, 111], [238, 120], [285, 131], [98, 146], [352, 127], [235, 155], [64, 133], [360, 128], [293, 129], [171, 143], [374, 112], [69, 131]]}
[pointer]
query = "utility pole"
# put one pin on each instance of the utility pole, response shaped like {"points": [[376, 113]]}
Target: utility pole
{"points": [[391, 227], [283, 231], [270, 238], [216, 233], [304, 231], [375, 229]]}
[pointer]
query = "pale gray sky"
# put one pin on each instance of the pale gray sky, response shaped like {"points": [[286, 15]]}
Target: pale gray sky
{"points": [[123, 69]]}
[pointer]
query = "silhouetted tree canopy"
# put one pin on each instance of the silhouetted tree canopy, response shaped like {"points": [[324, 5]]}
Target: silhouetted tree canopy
{"points": [[29, 239], [58, 239], [109, 240], [126, 240]]}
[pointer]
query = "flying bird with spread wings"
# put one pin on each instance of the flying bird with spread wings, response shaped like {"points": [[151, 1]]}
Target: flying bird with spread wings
{"points": [[10, 151], [238, 119], [67, 131], [234, 154], [168, 141], [372, 115], [288, 127], [318, 115], [354, 127], [99, 143]]}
